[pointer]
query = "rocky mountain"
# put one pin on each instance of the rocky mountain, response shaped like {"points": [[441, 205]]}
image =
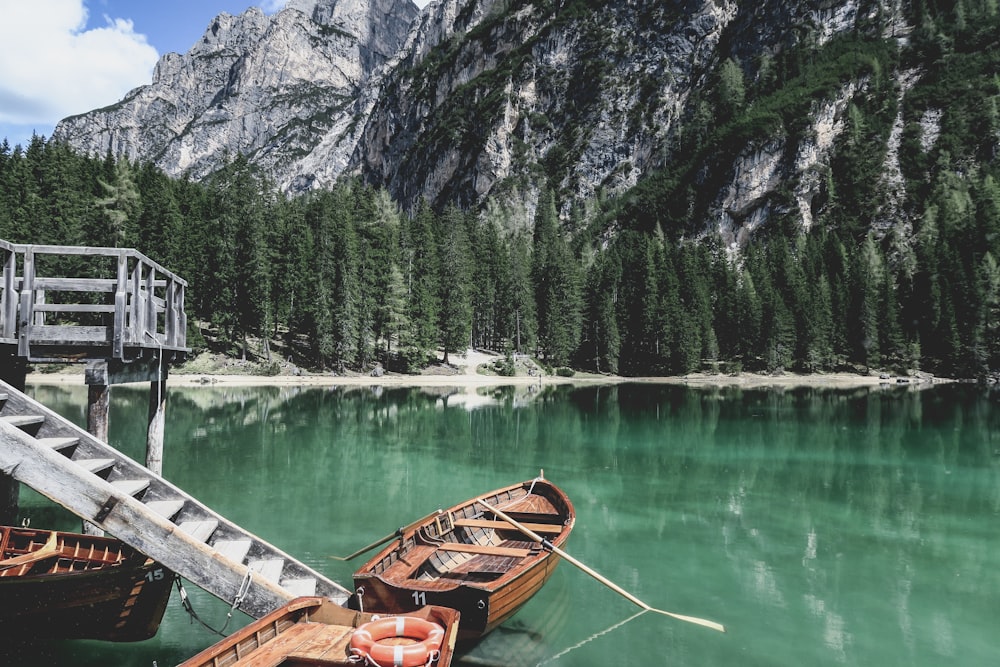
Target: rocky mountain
{"points": [[277, 89], [475, 99]]}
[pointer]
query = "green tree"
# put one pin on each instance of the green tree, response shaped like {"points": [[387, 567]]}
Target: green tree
{"points": [[121, 206], [455, 314], [557, 287], [420, 270]]}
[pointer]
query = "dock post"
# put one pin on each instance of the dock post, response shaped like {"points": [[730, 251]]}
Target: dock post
{"points": [[98, 408], [98, 414], [14, 371], [155, 428]]}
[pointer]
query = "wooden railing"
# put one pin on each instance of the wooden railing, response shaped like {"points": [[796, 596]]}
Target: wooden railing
{"points": [[122, 306]]}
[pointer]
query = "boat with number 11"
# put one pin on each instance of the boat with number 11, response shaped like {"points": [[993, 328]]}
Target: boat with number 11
{"points": [[471, 559]]}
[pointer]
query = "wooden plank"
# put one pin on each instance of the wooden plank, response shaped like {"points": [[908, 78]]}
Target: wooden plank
{"points": [[67, 334], [200, 530], [552, 528], [269, 568], [300, 587], [274, 652], [234, 550], [115, 371], [318, 646], [166, 508], [96, 466], [22, 421], [58, 443], [131, 487], [75, 284], [486, 549], [73, 308]]}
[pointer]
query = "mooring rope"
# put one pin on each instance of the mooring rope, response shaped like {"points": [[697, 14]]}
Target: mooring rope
{"points": [[240, 595], [592, 638]]}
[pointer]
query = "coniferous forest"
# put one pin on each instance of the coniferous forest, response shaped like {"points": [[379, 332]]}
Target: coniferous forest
{"points": [[632, 284]]}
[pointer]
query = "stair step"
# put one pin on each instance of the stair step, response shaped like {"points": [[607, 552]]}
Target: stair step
{"points": [[234, 550], [300, 587], [96, 466], [58, 443], [269, 568], [131, 487], [165, 508], [200, 530], [22, 421], [3, 396]]}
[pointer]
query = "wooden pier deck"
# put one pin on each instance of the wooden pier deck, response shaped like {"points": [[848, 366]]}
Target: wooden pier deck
{"points": [[121, 305]]}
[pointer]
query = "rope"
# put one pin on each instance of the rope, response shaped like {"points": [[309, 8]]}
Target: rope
{"points": [[240, 596], [591, 638]]}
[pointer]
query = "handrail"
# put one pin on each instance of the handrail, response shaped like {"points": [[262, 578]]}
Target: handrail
{"points": [[95, 251]]}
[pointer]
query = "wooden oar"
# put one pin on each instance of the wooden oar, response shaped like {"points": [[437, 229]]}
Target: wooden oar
{"points": [[391, 536], [47, 550], [610, 584]]}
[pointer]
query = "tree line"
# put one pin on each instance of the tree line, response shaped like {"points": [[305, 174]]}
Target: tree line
{"points": [[347, 280]]}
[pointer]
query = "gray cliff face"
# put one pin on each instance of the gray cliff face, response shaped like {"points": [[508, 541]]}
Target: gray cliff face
{"points": [[271, 88], [476, 100]]}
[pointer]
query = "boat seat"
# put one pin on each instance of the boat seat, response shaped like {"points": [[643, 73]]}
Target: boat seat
{"points": [[484, 549], [552, 528], [406, 565], [537, 517], [275, 652]]}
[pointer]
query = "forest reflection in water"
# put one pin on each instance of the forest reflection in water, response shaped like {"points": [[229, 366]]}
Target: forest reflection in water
{"points": [[820, 526]]}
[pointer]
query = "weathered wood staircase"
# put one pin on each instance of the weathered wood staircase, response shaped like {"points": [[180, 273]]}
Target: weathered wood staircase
{"points": [[101, 485]]}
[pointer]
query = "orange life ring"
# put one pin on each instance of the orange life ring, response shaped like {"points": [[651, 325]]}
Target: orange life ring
{"points": [[428, 637]]}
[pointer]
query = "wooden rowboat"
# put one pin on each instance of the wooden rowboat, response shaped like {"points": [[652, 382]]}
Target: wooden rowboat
{"points": [[317, 632], [57, 585], [470, 559]]}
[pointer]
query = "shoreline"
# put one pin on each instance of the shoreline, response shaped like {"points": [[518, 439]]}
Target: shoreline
{"points": [[473, 380], [463, 373]]}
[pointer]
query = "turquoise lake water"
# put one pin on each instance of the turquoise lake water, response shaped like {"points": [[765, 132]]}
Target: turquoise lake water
{"points": [[822, 527]]}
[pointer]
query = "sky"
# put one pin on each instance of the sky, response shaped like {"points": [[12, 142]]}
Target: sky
{"points": [[59, 58]]}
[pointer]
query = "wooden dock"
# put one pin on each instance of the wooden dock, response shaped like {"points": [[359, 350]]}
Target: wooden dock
{"points": [[125, 308], [123, 315]]}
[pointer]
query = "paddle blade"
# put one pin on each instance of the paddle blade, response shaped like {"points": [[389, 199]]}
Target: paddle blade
{"points": [[691, 619]]}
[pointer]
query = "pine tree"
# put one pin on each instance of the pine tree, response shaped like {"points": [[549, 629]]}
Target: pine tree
{"points": [[420, 269], [121, 207], [557, 287], [455, 314], [520, 320]]}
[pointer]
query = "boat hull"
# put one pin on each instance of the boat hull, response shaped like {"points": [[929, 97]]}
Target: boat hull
{"points": [[95, 588], [495, 571], [311, 631]]}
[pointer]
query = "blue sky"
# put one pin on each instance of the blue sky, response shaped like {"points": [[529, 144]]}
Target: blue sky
{"points": [[63, 57]]}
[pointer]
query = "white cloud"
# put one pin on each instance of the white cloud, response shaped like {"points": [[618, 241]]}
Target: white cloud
{"points": [[50, 67], [272, 6]]}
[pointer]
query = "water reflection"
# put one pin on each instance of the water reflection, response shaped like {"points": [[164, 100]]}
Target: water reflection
{"points": [[820, 526]]}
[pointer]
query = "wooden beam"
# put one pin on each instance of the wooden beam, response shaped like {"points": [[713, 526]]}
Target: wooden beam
{"points": [[115, 371]]}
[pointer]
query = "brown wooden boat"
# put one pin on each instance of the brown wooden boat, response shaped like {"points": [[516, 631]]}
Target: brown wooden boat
{"points": [[317, 632], [470, 559], [58, 585]]}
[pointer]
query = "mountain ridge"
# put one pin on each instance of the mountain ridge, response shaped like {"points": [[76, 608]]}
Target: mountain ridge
{"points": [[477, 99]]}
